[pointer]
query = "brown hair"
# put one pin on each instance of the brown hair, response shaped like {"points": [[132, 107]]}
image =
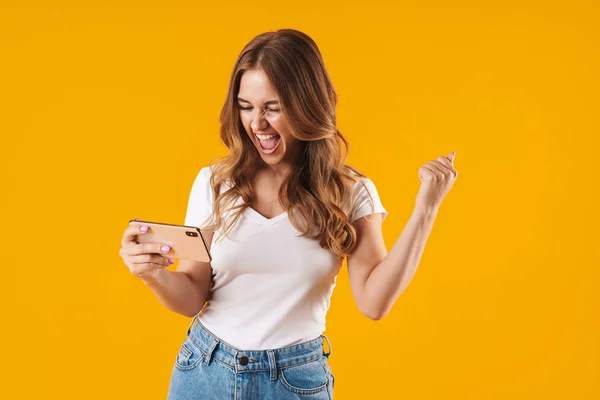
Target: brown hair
{"points": [[319, 189]]}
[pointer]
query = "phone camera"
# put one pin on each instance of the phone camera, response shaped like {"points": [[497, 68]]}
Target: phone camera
{"points": [[191, 233]]}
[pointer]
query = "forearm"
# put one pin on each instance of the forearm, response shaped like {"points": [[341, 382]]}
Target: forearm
{"points": [[393, 274], [176, 291]]}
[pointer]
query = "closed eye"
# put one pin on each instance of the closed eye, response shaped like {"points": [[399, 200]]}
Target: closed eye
{"points": [[268, 109]]}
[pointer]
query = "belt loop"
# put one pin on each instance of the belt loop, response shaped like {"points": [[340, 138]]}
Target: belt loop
{"points": [[210, 351], [272, 364], [190, 325], [329, 346]]}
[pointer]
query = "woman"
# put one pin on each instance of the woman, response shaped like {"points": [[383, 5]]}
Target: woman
{"points": [[286, 210]]}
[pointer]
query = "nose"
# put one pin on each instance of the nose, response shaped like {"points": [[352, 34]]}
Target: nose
{"points": [[258, 121]]}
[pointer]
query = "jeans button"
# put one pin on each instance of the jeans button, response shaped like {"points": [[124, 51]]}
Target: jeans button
{"points": [[244, 360]]}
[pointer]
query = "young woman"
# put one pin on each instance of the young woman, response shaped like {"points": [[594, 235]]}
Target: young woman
{"points": [[280, 213]]}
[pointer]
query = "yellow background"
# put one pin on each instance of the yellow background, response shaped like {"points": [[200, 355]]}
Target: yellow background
{"points": [[108, 110]]}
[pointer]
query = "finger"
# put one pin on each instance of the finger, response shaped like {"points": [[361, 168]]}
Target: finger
{"points": [[437, 172], [442, 169], [130, 235], [148, 258], [137, 249], [152, 248], [428, 167], [451, 157], [436, 167], [447, 164]]}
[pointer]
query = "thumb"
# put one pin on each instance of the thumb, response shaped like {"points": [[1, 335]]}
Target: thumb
{"points": [[451, 157]]}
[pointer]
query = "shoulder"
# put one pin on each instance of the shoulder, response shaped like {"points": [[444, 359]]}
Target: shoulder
{"points": [[366, 199], [202, 179], [200, 199], [363, 185], [364, 189], [204, 175], [206, 171]]}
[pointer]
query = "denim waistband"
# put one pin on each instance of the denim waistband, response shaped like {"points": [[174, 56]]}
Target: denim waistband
{"points": [[254, 360]]}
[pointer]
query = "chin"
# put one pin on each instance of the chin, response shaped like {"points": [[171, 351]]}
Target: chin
{"points": [[271, 159]]}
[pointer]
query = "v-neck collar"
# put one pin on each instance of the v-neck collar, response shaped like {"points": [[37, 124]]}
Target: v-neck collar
{"points": [[262, 219]]}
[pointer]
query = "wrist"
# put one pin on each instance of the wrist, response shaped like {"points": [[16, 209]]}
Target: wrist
{"points": [[427, 212], [152, 277]]}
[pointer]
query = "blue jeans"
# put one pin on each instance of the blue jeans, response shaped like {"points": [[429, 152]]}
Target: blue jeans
{"points": [[208, 368]]}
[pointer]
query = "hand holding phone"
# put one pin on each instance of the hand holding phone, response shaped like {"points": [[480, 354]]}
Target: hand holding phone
{"points": [[144, 251], [186, 242]]}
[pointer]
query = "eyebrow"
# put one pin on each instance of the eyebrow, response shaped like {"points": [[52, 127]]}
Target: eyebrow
{"points": [[266, 102]]}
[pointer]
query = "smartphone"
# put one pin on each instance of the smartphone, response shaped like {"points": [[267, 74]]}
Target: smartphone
{"points": [[186, 242]]}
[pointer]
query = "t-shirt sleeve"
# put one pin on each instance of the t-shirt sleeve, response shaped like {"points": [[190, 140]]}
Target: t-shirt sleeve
{"points": [[362, 202], [199, 207]]}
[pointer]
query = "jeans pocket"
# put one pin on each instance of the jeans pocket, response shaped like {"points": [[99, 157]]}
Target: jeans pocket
{"points": [[307, 378], [189, 356]]}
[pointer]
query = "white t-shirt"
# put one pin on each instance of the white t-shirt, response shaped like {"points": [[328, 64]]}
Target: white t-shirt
{"points": [[271, 287]]}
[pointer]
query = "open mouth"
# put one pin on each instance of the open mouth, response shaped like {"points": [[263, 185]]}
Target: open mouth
{"points": [[268, 143]]}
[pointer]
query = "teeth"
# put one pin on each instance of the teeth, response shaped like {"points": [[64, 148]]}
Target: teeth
{"points": [[265, 137]]}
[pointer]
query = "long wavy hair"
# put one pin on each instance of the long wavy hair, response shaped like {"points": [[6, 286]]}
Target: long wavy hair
{"points": [[320, 189]]}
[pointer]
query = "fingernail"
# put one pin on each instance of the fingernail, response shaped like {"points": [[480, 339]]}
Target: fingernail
{"points": [[165, 249], [171, 261], [144, 228]]}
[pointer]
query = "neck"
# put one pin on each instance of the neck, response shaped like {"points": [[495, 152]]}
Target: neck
{"points": [[282, 169], [277, 172]]}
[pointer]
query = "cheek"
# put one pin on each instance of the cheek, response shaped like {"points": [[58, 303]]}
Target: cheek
{"points": [[277, 124], [246, 124]]}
